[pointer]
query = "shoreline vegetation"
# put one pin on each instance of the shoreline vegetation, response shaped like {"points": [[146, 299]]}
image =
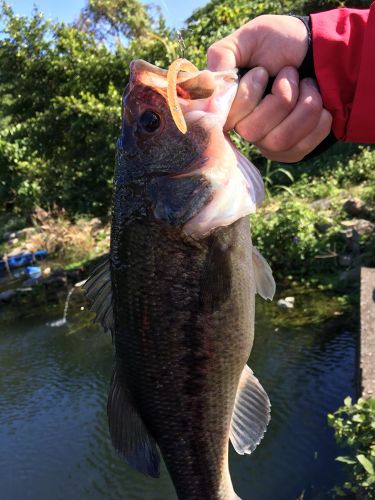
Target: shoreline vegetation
{"points": [[61, 88], [323, 223]]}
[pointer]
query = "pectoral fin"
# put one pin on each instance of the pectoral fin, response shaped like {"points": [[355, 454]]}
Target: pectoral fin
{"points": [[128, 432], [264, 282], [251, 414]]}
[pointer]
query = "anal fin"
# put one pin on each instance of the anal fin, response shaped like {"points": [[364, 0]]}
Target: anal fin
{"points": [[129, 434], [251, 414]]}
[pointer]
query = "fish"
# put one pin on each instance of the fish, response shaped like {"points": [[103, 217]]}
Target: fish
{"points": [[178, 290]]}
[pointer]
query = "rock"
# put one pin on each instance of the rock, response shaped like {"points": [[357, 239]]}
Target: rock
{"points": [[26, 232], [59, 272], [28, 283], [55, 281], [345, 260], [322, 204], [323, 227], [6, 235], [7, 295], [74, 274], [355, 206], [287, 303], [351, 276], [360, 226], [352, 240]]}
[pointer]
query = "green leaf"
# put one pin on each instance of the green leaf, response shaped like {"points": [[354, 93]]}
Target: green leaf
{"points": [[345, 460], [287, 189], [348, 401], [358, 418], [286, 172], [365, 462]]}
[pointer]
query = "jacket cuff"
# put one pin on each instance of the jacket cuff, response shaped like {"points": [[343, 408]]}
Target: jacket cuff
{"points": [[306, 70]]}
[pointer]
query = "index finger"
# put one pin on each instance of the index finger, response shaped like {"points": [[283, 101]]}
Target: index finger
{"points": [[226, 53]]}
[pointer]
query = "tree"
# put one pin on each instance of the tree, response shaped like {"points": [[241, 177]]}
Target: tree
{"points": [[61, 86], [128, 18], [60, 106]]}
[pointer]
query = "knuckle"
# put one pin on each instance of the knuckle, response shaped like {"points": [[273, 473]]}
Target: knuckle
{"points": [[213, 50], [245, 131], [286, 103], [278, 141]]}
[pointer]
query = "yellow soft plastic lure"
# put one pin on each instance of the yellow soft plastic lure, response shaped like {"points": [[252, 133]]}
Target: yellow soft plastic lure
{"points": [[176, 111]]}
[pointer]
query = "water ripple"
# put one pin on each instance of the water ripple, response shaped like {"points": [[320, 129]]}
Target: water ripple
{"points": [[53, 428]]}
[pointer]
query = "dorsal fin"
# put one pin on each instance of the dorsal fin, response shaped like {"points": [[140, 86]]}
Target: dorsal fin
{"points": [[98, 289], [128, 433], [251, 414], [264, 282]]}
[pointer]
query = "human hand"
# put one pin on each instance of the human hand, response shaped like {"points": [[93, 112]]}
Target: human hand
{"points": [[290, 122]]}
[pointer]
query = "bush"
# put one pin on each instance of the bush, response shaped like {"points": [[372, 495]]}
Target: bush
{"points": [[354, 426], [288, 237], [60, 94]]}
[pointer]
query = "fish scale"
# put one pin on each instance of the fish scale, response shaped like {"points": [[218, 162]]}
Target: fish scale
{"points": [[186, 364]]}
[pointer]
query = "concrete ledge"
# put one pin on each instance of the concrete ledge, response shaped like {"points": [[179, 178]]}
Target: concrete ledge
{"points": [[367, 333]]}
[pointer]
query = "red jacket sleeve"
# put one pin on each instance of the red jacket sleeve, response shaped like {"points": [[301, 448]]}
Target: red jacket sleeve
{"points": [[344, 60]]}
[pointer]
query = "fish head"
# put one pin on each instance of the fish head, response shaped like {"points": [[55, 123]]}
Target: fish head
{"points": [[198, 173], [150, 142]]}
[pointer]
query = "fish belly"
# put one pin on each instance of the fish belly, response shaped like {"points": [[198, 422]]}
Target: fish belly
{"points": [[184, 315]]}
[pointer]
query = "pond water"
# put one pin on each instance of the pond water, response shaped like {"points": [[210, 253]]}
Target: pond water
{"points": [[54, 441]]}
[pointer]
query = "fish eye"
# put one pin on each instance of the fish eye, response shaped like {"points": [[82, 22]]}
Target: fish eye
{"points": [[149, 121]]}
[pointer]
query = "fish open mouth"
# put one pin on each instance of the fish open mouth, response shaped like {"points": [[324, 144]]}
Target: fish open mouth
{"points": [[188, 91]]}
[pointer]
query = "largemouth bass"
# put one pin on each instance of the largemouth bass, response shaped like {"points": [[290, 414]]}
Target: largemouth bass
{"points": [[178, 290]]}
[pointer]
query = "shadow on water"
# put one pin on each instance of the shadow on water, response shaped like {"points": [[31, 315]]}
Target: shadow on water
{"points": [[53, 428]]}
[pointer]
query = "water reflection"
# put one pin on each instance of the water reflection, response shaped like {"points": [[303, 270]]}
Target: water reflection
{"points": [[54, 441]]}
